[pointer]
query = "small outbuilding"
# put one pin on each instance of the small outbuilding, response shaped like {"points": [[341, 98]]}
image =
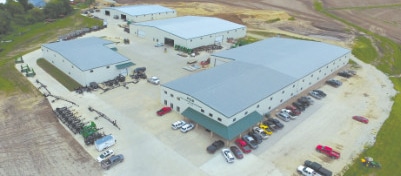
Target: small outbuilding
{"points": [[87, 60], [139, 13], [188, 31]]}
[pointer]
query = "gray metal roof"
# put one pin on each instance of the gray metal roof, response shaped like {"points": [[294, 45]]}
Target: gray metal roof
{"points": [[232, 87], [188, 27], [225, 132], [296, 58], [259, 70], [142, 9], [87, 53]]}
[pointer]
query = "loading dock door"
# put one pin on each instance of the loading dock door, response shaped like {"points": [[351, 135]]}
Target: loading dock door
{"points": [[107, 13], [123, 17], [218, 40], [124, 72], [141, 33], [168, 41]]}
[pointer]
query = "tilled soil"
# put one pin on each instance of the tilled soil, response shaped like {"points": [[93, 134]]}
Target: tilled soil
{"points": [[33, 142]]}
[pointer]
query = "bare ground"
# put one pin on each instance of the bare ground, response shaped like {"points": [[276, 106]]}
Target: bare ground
{"points": [[33, 142]]}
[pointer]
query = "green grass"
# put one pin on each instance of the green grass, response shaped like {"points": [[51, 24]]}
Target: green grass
{"points": [[273, 20], [367, 7], [57, 74], [28, 38], [387, 58]]}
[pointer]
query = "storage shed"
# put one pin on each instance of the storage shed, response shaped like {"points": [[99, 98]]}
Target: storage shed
{"points": [[87, 60], [254, 79], [139, 13], [188, 31]]}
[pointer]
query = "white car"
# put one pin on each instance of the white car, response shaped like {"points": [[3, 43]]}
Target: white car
{"points": [[154, 80], [228, 155], [261, 132], [187, 127], [178, 124], [105, 155]]}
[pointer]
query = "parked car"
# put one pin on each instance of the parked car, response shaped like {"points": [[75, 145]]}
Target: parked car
{"points": [[318, 168], [163, 111], [256, 136], [345, 74], [266, 128], [113, 160], [159, 44], [178, 124], [261, 132], [334, 82], [361, 119], [271, 125], [250, 141], [306, 171], [216, 145], [299, 106], [328, 151], [294, 110], [237, 152], [320, 92], [228, 155], [315, 94], [276, 122], [105, 155], [243, 145], [187, 127], [154, 80]]}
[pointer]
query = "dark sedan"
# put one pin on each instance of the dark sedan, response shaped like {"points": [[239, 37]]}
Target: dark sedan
{"points": [[237, 152]]}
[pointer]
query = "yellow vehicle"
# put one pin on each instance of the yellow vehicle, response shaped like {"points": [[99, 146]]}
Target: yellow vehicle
{"points": [[266, 129]]}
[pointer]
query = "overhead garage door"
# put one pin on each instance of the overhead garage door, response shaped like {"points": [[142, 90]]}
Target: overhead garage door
{"points": [[218, 39], [124, 72], [168, 41], [141, 33]]}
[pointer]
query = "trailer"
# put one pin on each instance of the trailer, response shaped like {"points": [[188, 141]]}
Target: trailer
{"points": [[105, 142]]}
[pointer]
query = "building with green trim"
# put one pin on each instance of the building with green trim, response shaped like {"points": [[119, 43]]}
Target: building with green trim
{"points": [[87, 60], [250, 81]]}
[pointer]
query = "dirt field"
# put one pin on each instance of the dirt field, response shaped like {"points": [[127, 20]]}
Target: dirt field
{"points": [[34, 143]]}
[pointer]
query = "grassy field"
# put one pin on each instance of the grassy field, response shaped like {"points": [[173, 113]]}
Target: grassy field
{"points": [[387, 148], [57, 74], [28, 38]]}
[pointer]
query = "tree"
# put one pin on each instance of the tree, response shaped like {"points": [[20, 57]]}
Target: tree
{"points": [[26, 5], [5, 22], [57, 8]]}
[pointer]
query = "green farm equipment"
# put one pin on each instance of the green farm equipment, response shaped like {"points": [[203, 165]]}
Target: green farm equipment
{"points": [[368, 162]]}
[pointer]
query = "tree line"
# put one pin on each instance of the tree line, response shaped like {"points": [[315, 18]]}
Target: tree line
{"points": [[21, 13]]}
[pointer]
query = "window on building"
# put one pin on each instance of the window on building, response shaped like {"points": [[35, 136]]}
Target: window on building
{"points": [[165, 102], [210, 115], [270, 107], [311, 76], [91, 71], [178, 109], [293, 85], [219, 119], [171, 106], [69, 73], [257, 106], [171, 95], [282, 92], [165, 92], [234, 119], [281, 100], [72, 66], [292, 94], [178, 98], [53, 62], [108, 67], [246, 112], [271, 98], [63, 60], [202, 111]]}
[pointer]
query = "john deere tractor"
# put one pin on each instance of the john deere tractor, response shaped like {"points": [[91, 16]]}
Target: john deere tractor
{"points": [[368, 162]]}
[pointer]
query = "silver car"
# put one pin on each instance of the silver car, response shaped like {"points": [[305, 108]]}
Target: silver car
{"points": [[228, 155]]}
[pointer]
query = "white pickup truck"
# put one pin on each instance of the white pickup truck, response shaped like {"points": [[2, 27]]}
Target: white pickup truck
{"points": [[306, 171]]}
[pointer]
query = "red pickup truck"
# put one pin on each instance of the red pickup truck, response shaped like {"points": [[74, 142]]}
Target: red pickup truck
{"points": [[328, 151]]}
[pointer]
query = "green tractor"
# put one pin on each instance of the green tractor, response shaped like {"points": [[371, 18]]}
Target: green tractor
{"points": [[368, 162], [88, 130]]}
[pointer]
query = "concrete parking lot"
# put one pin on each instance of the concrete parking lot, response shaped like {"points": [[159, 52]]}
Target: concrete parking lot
{"points": [[151, 147]]}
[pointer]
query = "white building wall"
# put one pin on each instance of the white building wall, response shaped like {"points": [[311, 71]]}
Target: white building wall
{"points": [[139, 18], [153, 34], [98, 75]]}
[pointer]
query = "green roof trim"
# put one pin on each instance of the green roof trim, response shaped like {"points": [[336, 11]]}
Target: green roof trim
{"points": [[228, 133], [124, 65]]}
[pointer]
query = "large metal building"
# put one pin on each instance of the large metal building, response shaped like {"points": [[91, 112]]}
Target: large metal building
{"points": [[87, 60], [139, 13], [188, 31], [254, 79]]}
